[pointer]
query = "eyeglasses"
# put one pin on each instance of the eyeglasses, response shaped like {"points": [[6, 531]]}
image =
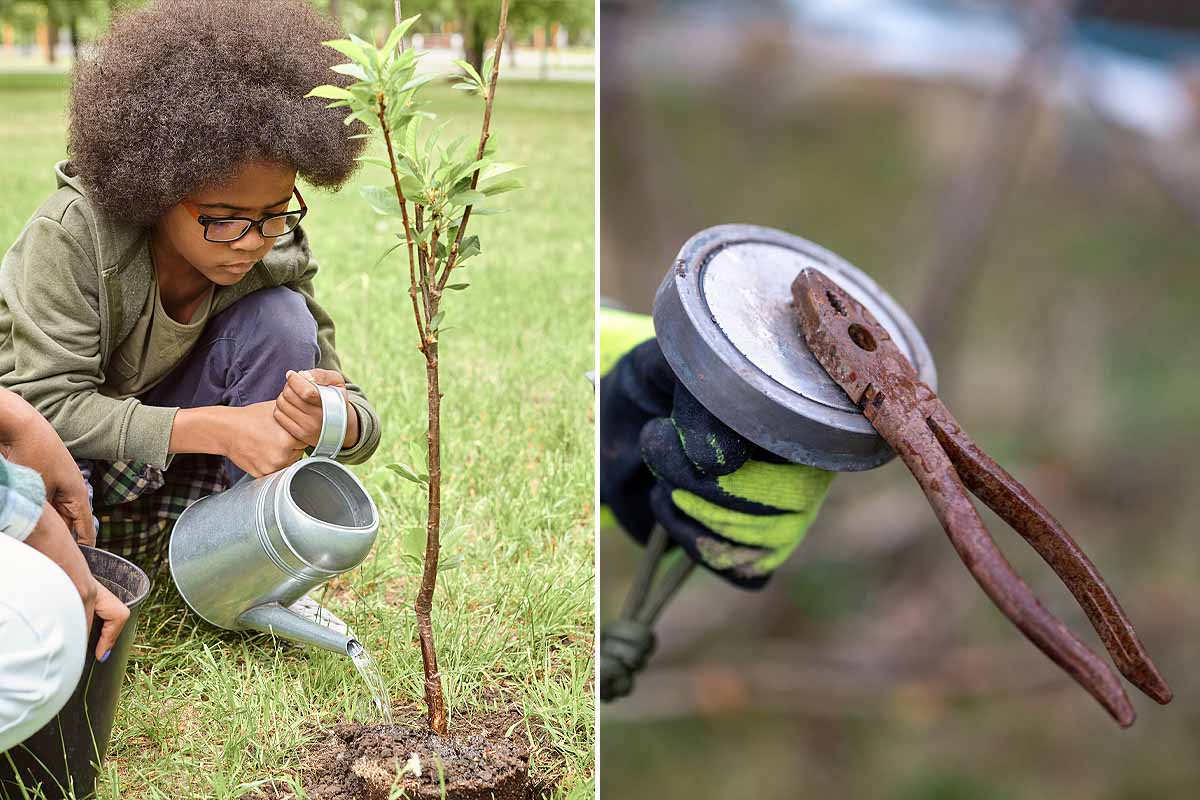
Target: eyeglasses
{"points": [[230, 229]]}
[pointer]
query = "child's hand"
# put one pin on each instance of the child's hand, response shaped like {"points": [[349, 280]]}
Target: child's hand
{"points": [[256, 443], [298, 407]]}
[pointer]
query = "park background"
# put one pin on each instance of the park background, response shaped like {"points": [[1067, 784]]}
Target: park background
{"points": [[219, 715], [1040, 224]]}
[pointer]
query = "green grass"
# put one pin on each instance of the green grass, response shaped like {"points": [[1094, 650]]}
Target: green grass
{"points": [[205, 713]]}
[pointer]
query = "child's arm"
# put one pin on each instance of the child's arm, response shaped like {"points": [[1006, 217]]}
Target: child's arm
{"points": [[51, 287], [247, 435]]}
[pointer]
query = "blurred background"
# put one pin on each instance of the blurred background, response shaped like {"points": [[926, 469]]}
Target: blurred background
{"points": [[548, 39], [1024, 177]]}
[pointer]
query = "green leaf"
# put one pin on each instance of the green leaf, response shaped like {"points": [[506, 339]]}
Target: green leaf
{"points": [[466, 67], [468, 248], [420, 80], [470, 87], [366, 46], [488, 63], [350, 50], [410, 137], [413, 189], [364, 94], [331, 93], [461, 174], [468, 198], [497, 168], [365, 117], [458, 287], [480, 211], [500, 187], [379, 162], [390, 250], [381, 200], [353, 70], [404, 168], [402, 64], [437, 320], [397, 34], [407, 472]]}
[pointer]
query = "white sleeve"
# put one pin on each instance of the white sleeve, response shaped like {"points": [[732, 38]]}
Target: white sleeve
{"points": [[22, 497], [43, 637]]}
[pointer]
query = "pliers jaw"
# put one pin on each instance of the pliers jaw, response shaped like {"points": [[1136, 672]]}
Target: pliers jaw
{"points": [[860, 356]]}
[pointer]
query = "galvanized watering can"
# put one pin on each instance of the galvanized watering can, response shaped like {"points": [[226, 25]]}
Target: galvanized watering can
{"points": [[242, 556]]}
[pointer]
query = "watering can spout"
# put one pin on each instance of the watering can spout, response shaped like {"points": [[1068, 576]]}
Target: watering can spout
{"points": [[275, 619]]}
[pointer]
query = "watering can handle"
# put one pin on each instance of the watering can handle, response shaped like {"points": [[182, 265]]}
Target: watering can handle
{"points": [[334, 413]]}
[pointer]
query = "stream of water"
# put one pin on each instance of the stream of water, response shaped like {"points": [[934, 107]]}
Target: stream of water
{"points": [[365, 664]]}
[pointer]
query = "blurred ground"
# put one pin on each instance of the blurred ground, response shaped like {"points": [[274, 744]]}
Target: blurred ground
{"points": [[872, 666]]}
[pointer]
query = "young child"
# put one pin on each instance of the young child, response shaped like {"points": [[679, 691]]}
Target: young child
{"points": [[158, 309]]}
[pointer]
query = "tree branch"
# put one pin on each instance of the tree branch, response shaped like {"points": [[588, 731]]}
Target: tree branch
{"points": [[485, 132], [408, 237]]}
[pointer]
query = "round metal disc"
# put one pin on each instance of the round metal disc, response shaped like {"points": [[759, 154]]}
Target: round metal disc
{"points": [[725, 322]]}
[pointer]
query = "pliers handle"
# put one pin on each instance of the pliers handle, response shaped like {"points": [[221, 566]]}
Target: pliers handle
{"points": [[861, 357]]}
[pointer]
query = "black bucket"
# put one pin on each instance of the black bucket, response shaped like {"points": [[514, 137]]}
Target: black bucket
{"points": [[61, 759]]}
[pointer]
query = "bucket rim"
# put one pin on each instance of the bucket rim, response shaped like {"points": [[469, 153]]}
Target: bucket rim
{"points": [[140, 592]]}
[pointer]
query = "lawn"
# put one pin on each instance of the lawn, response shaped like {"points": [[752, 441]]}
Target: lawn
{"points": [[211, 714]]}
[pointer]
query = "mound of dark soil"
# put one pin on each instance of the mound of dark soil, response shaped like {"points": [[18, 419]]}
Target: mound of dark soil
{"points": [[365, 762]]}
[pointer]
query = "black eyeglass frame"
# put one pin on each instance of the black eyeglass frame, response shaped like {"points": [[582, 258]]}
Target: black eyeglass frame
{"points": [[252, 223]]}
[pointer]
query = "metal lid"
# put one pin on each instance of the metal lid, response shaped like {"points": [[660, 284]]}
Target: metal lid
{"points": [[725, 322]]}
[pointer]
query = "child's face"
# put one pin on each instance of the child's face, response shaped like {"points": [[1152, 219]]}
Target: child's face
{"points": [[259, 189]]}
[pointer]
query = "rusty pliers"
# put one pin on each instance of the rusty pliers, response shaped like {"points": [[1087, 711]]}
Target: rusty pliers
{"points": [[861, 357]]}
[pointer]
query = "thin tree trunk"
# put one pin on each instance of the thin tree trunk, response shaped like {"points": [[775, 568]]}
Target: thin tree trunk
{"points": [[434, 698], [431, 286]]}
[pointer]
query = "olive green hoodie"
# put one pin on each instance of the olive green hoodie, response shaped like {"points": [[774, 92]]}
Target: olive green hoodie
{"points": [[71, 289]]}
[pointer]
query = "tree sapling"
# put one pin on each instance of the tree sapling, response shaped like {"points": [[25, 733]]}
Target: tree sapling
{"points": [[435, 189]]}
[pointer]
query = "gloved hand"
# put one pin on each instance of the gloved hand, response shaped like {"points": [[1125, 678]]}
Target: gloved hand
{"points": [[735, 508]]}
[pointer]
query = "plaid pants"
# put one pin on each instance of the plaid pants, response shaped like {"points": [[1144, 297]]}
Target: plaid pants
{"points": [[136, 505]]}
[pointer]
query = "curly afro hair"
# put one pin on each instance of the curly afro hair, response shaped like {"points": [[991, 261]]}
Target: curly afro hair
{"points": [[181, 94]]}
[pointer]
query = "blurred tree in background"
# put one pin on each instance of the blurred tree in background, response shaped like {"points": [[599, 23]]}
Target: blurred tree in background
{"points": [[27, 17], [532, 22]]}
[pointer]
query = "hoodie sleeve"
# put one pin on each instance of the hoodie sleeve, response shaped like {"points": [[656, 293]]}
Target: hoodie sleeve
{"points": [[49, 295]]}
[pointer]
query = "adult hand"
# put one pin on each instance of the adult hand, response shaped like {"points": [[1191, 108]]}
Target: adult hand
{"points": [[298, 407], [26, 438], [734, 507], [257, 443], [113, 615]]}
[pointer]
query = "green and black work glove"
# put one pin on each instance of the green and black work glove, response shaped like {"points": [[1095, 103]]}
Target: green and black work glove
{"points": [[731, 505]]}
